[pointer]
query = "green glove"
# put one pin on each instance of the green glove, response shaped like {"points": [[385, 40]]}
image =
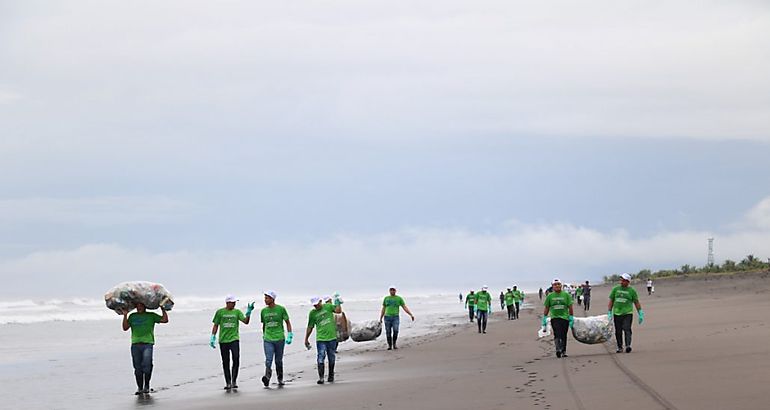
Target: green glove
{"points": [[289, 338], [213, 341], [641, 316], [571, 321], [249, 309], [545, 321], [609, 315]]}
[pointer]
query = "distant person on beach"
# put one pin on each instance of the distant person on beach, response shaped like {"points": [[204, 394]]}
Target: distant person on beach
{"points": [[558, 305], [649, 287], [502, 301], [142, 325], [321, 317], [461, 297], [518, 298], [470, 304], [391, 309], [483, 308], [623, 298], [273, 317], [579, 295], [586, 296], [227, 321], [540, 293], [509, 303]]}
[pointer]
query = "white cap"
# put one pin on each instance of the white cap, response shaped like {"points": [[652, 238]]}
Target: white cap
{"points": [[485, 287], [230, 298], [315, 300], [270, 293], [556, 280], [625, 276], [392, 287], [326, 297]]}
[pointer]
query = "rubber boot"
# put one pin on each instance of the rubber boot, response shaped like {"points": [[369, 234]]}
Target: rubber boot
{"points": [[331, 373], [139, 376], [279, 373], [267, 376], [320, 373], [390, 341], [147, 377]]}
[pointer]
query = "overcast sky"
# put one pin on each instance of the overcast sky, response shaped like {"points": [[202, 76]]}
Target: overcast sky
{"points": [[349, 145]]}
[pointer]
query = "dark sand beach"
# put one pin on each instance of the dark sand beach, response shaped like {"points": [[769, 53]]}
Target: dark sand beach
{"points": [[704, 345]]}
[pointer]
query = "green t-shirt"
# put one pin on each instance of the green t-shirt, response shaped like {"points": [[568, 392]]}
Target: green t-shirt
{"points": [[273, 318], [228, 321], [558, 304], [323, 320], [508, 298], [470, 299], [579, 291], [518, 295], [143, 326], [392, 305], [623, 300], [483, 299]]}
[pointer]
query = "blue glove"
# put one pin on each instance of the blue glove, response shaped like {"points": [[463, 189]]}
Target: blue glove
{"points": [[289, 338], [571, 321], [249, 309], [641, 316], [609, 315], [545, 321], [213, 341]]}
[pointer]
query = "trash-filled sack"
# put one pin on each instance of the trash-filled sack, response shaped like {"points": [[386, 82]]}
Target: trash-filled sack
{"points": [[366, 331], [125, 296], [544, 331], [593, 329], [343, 327]]}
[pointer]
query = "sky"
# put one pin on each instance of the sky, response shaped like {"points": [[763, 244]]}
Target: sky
{"points": [[313, 146]]}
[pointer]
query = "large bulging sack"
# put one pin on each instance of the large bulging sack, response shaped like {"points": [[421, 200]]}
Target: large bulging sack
{"points": [[593, 329], [366, 331], [125, 296], [343, 327]]}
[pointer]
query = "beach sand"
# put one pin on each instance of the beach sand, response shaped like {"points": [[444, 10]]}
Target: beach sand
{"points": [[704, 345]]}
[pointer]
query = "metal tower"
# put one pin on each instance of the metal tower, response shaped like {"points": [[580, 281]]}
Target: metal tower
{"points": [[711, 252]]}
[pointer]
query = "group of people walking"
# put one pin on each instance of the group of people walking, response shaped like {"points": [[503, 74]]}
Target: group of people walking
{"points": [[276, 330], [479, 305], [558, 306]]}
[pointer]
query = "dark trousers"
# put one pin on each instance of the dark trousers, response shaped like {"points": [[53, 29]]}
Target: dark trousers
{"points": [[516, 310], [560, 328], [481, 319], [511, 313], [586, 302], [471, 316], [226, 349], [141, 356], [623, 329]]}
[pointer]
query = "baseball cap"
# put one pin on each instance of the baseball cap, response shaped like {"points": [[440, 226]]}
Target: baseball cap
{"points": [[485, 287], [556, 280], [326, 297], [392, 287], [271, 293], [625, 276], [230, 298], [315, 300]]}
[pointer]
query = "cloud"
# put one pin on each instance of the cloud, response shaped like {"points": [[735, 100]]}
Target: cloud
{"points": [[94, 211], [363, 70], [445, 259], [758, 217]]}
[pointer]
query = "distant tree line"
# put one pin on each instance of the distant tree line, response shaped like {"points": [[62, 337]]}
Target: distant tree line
{"points": [[749, 263]]}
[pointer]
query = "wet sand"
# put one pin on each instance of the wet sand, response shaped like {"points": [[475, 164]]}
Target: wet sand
{"points": [[704, 345]]}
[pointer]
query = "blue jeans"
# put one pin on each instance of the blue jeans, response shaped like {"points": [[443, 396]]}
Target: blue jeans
{"points": [[274, 350], [391, 328], [141, 355], [326, 348]]}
